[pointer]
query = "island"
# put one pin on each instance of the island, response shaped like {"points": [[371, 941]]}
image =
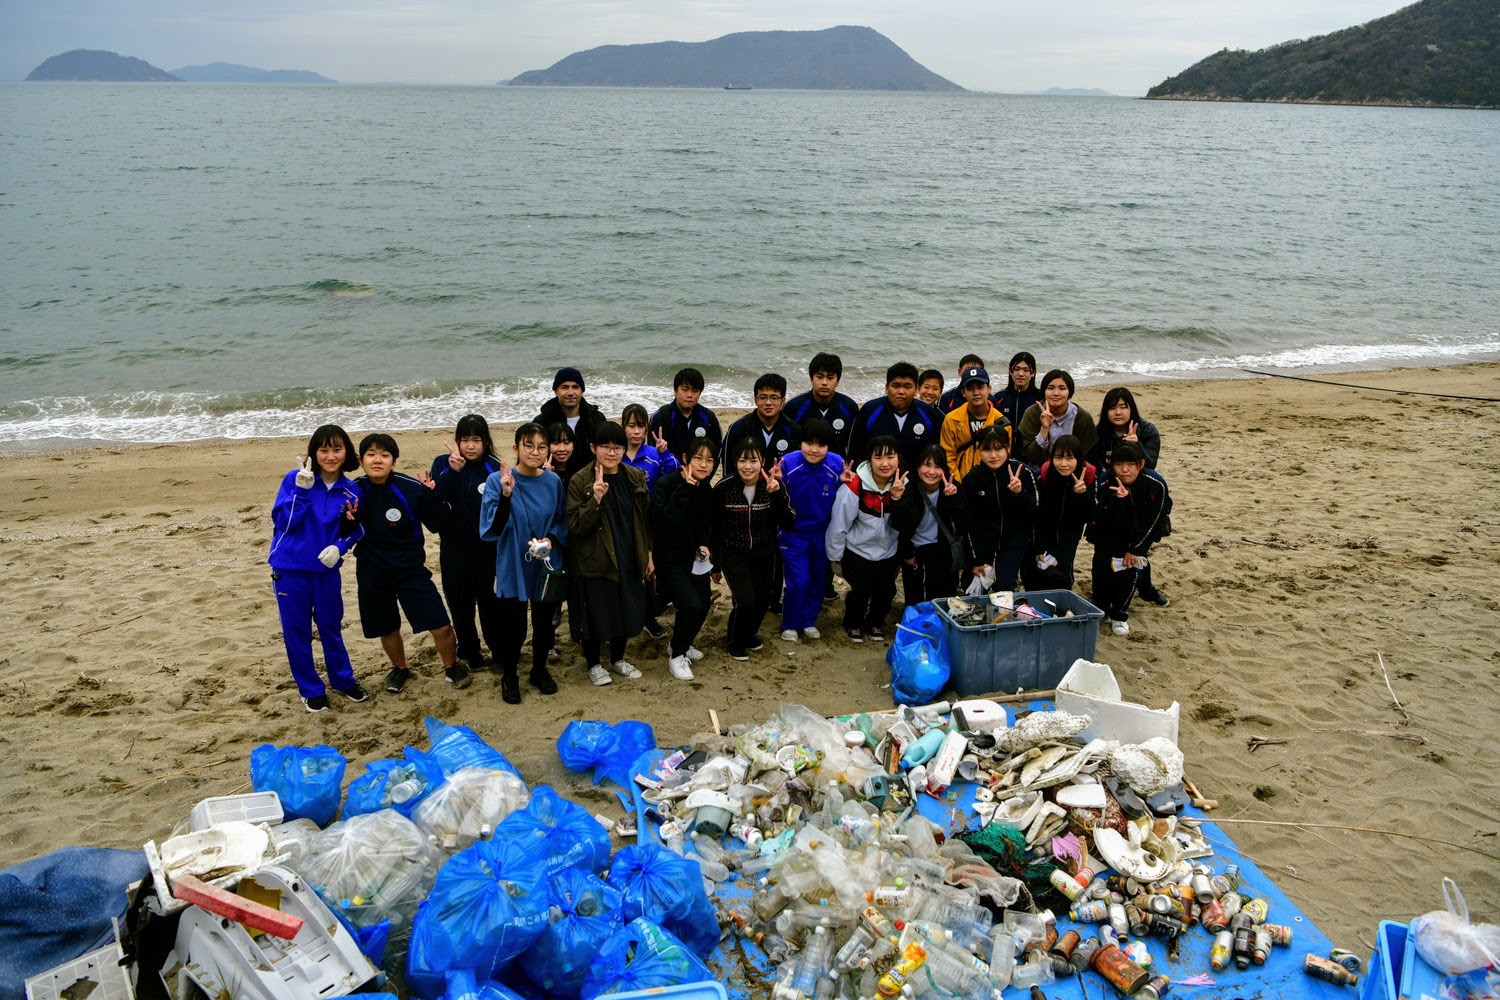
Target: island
{"points": [[99, 65], [1435, 53], [848, 57], [223, 72]]}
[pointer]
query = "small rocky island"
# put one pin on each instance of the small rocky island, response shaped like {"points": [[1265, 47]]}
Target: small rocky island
{"points": [[99, 65]]}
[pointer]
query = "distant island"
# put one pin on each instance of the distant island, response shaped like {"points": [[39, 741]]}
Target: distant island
{"points": [[1435, 53], [847, 57], [98, 65], [222, 72], [1076, 92]]}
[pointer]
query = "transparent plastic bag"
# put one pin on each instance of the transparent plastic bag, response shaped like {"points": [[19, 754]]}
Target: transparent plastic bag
{"points": [[308, 780], [642, 956], [585, 911], [292, 840], [458, 747], [666, 889], [1450, 942], [469, 805], [394, 784], [557, 832], [372, 867]]}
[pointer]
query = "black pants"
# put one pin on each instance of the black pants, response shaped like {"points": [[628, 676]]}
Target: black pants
{"points": [[1059, 577], [468, 574], [750, 576], [1113, 591], [543, 633], [591, 649], [872, 588], [932, 576], [690, 595]]}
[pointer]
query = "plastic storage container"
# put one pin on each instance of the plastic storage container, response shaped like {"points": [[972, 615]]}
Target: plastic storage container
{"points": [[1396, 970], [686, 991], [255, 807], [1025, 654]]}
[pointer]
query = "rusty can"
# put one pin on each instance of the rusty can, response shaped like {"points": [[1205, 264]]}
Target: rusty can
{"points": [[1258, 909], [1051, 938], [1221, 951], [1083, 954], [1123, 974], [1261, 947], [1281, 934], [1065, 945], [1329, 971], [1212, 917]]}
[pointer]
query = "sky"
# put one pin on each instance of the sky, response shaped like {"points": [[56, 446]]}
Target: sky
{"points": [[998, 45]]}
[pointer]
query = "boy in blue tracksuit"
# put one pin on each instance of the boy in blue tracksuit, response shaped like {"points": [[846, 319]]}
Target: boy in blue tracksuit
{"points": [[898, 414], [825, 402], [391, 564], [811, 479], [310, 536], [683, 421]]}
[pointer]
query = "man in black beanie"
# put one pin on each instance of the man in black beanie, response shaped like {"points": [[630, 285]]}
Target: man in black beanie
{"points": [[569, 407]]}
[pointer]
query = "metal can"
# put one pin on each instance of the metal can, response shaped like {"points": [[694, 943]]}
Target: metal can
{"points": [[1244, 940], [1330, 972], [1066, 944], [1158, 987], [1231, 903], [1118, 920], [1091, 912], [1261, 947], [1281, 934], [1347, 959], [1258, 909], [1139, 924], [1123, 974], [1065, 884], [1212, 917], [1203, 893], [1083, 955], [1221, 951]]}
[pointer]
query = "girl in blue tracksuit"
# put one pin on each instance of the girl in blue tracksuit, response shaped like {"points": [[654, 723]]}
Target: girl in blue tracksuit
{"points": [[309, 538], [652, 458], [1000, 500], [466, 562], [811, 478]]}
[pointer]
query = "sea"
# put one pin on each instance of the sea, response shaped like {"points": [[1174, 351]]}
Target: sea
{"points": [[191, 261]]}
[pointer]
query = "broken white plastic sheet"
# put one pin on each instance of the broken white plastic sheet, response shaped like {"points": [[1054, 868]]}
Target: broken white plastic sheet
{"points": [[1090, 689]]}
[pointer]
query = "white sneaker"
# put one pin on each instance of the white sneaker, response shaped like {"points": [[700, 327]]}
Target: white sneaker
{"points": [[680, 668], [1119, 628], [553, 655], [624, 669], [789, 635], [694, 653], [600, 676], [811, 632]]}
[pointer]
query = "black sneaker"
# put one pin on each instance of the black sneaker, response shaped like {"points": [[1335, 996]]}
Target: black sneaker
{"points": [[356, 693], [876, 634], [541, 679], [396, 679], [655, 629], [830, 595], [1157, 598], [756, 644], [457, 675], [317, 703], [738, 653], [854, 634], [510, 689]]}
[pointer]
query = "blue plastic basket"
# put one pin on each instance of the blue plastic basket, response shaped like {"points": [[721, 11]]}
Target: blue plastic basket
{"points": [[683, 991], [1022, 654], [1396, 970]]}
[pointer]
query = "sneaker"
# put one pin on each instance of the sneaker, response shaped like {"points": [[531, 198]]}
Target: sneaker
{"points": [[457, 675], [694, 653], [738, 653], [811, 632], [655, 629], [679, 667], [356, 693], [876, 634], [1157, 598], [624, 669], [510, 688], [755, 644], [541, 679], [854, 634], [553, 655], [396, 679], [600, 676], [1119, 628], [317, 703], [789, 635]]}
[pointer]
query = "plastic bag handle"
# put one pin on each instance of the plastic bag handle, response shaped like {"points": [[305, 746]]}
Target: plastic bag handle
{"points": [[1454, 898]]}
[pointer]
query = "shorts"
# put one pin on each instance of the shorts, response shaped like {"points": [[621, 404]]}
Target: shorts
{"points": [[380, 590]]}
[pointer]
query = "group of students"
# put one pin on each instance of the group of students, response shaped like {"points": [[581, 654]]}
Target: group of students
{"points": [[966, 489]]}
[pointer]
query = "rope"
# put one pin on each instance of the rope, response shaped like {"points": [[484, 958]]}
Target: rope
{"points": [[1373, 388]]}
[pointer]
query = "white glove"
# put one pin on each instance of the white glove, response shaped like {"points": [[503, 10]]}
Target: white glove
{"points": [[305, 475], [329, 556]]}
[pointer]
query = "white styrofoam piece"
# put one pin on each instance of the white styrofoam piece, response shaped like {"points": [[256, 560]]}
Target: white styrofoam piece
{"points": [[1088, 795], [101, 967], [1090, 689], [253, 807], [982, 715]]}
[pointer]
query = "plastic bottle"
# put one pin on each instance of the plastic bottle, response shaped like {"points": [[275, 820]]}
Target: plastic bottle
{"points": [[954, 976], [1002, 957], [813, 963], [771, 900], [1037, 969], [848, 956], [912, 959]]}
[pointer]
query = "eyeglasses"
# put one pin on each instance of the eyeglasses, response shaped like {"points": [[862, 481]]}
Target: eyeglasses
{"points": [[767, 397], [532, 446]]}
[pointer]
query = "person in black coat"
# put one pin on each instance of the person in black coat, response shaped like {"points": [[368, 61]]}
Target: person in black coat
{"points": [[748, 508], [1000, 499], [1133, 506], [1065, 504], [681, 535], [1120, 420], [466, 562], [567, 406], [929, 519]]}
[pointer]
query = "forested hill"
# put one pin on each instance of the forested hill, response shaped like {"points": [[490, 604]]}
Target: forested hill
{"points": [[97, 64], [842, 58], [1433, 53]]}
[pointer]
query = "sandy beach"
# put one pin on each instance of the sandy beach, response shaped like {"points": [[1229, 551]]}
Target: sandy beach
{"points": [[1316, 527]]}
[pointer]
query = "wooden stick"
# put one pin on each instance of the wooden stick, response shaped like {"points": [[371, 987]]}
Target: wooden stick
{"points": [[1024, 696], [1396, 701], [1361, 829], [1199, 799], [714, 718]]}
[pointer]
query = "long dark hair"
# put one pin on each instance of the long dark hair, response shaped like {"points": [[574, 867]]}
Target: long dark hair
{"points": [[1112, 397], [1010, 383], [473, 425]]}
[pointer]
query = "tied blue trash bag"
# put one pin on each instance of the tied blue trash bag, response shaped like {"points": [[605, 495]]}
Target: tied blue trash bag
{"points": [[394, 784], [308, 780], [585, 912], [642, 956], [918, 656], [458, 747], [609, 751], [463, 984], [488, 905], [559, 833], [667, 889]]}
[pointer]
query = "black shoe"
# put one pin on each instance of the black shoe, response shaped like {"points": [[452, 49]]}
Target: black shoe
{"points": [[775, 609], [738, 653], [541, 679], [830, 595], [1157, 598], [510, 689], [654, 629], [876, 634], [356, 693], [457, 675], [317, 703], [396, 679], [854, 634], [756, 644]]}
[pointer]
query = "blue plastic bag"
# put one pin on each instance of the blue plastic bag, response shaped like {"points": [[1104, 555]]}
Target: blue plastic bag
{"points": [[642, 956], [590, 911], [394, 784], [463, 984], [557, 832], [371, 940], [458, 747], [918, 656], [608, 750], [488, 905], [667, 889], [308, 780]]}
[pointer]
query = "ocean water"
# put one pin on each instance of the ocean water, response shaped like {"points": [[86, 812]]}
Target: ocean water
{"points": [[181, 262]]}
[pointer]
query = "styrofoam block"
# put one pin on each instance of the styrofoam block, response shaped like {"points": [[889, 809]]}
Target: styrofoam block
{"points": [[1090, 689]]}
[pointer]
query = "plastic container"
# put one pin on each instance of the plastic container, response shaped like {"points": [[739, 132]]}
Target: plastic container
{"points": [[1395, 969], [1020, 654], [255, 807], [101, 967], [706, 990]]}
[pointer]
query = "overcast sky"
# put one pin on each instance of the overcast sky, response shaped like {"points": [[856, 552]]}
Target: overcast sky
{"points": [[1009, 45]]}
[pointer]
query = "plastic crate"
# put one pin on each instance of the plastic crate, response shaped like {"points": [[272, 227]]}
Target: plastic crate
{"points": [[1383, 974], [254, 807], [685, 991], [1019, 654]]}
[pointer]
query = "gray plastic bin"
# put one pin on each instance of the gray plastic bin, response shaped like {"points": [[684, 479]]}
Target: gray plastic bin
{"points": [[1027, 654]]}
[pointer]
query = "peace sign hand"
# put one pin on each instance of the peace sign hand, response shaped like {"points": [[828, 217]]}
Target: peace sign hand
{"points": [[847, 476], [1047, 417], [305, 474], [600, 486], [1119, 489], [1015, 481], [507, 479], [425, 479], [1130, 436], [351, 510], [660, 441], [773, 481], [1079, 486], [949, 486], [455, 460], [898, 487]]}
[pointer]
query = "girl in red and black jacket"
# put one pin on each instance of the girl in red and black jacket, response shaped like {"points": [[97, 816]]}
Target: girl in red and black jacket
{"points": [[748, 508], [1065, 504]]}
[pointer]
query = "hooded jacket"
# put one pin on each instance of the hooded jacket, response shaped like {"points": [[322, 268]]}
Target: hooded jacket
{"points": [[998, 518], [306, 521], [861, 519]]}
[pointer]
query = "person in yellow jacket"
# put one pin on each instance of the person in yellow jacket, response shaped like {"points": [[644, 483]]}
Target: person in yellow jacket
{"points": [[963, 426]]}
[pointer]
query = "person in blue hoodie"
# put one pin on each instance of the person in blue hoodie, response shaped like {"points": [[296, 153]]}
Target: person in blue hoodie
{"points": [[898, 414], [390, 561], [466, 562], [522, 515], [309, 538], [653, 457], [811, 479], [824, 401], [684, 420]]}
